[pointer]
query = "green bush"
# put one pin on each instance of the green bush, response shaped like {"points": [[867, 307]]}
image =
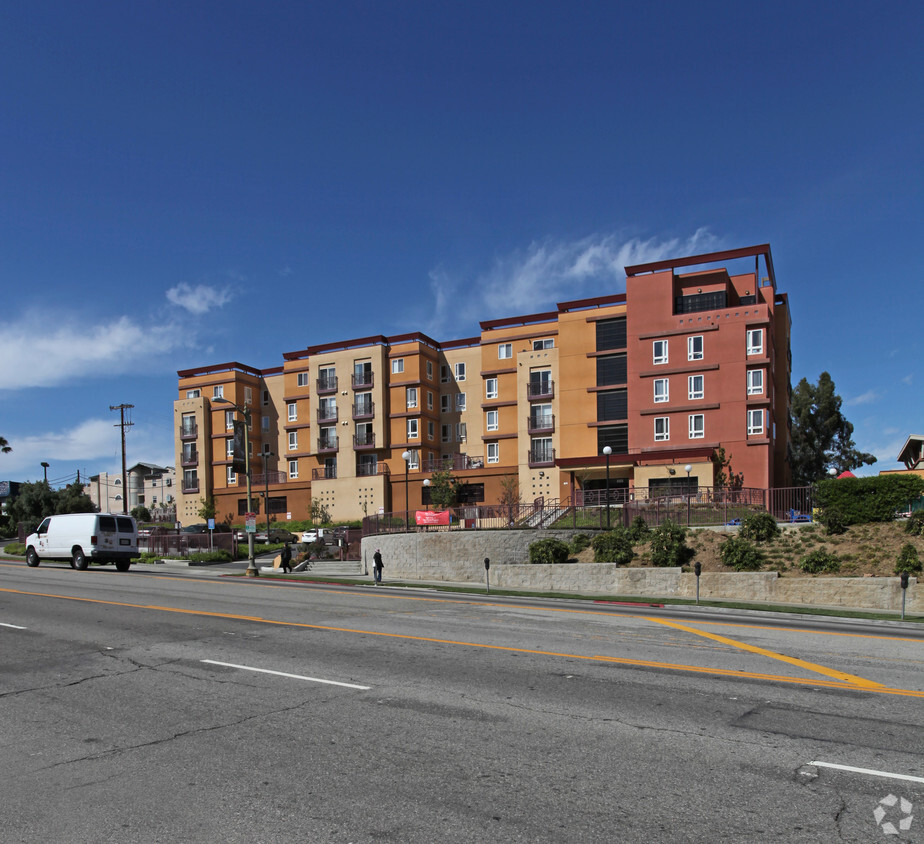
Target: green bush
{"points": [[914, 525], [820, 561], [833, 520], [639, 530], [669, 546], [15, 549], [759, 527], [613, 546], [908, 560], [210, 557], [548, 551], [741, 555], [875, 499], [579, 542]]}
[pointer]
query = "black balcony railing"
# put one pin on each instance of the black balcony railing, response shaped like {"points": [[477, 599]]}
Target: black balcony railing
{"points": [[458, 463], [327, 414], [266, 478], [365, 470], [324, 473], [364, 410], [541, 457], [190, 486], [327, 444], [189, 431], [364, 440], [326, 385], [190, 459], [361, 380], [542, 423], [540, 390]]}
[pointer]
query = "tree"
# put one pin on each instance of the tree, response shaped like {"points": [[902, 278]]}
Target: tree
{"points": [[141, 514], [5, 447], [723, 480], [72, 499], [822, 438], [207, 510], [36, 500], [444, 488]]}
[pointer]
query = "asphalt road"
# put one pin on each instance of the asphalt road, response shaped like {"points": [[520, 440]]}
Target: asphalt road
{"points": [[154, 706]]}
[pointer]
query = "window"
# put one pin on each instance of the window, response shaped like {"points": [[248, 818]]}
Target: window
{"points": [[429, 400], [661, 390], [229, 420], [755, 341], [444, 374], [460, 432], [493, 452], [492, 421], [755, 422], [611, 370], [229, 447], [414, 462], [413, 429], [446, 433], [505, 351], [232, 476], [293, 440], [611, 334], [548, 343], [490, 388], [612, 404], [755, 382], [431, 429], [411, 395], [293, 469], [695, 387], [460, 372], [327, 378], [695, 348], [265, 398], [293, 411], [540, 416], [614, 436], [659, 351], [265, 450], [445, 405], [218, 392], [662, 429], [192, 394], [460, 401], [264, 424], [429, 370], [248, 395], [397, 366], [301, 379], [697, 426]]}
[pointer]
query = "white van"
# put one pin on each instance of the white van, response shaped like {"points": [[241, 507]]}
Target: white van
{"points": [[82, 538]]}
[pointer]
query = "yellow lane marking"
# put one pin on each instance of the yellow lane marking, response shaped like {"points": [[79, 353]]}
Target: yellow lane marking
{"points": [[862, 686], [799, 663]]}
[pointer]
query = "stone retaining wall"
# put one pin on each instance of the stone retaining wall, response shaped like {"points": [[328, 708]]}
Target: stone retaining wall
{"points": [[458, 556]]}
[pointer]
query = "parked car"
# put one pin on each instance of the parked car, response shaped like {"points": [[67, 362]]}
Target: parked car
{"points": [[202, 528], [276, 535]]}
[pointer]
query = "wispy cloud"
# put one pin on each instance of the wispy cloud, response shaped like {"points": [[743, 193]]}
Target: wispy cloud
{"points": [[908, 379], [869, 397], [547, 272], [199, 299], [51, 349]]}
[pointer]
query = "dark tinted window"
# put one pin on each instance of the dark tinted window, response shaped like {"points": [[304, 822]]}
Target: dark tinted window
{"points": [[125, 525], [470, 494], [278, 505], [615, 436], [612, 404], [611, 334], [107, 524], [700, 302], [611, 370]]}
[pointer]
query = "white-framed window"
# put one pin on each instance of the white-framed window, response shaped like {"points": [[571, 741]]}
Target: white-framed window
{"points": [[460, 371], [545, 343], [292, 409], [490, 388], [755, 382], [218, 391], [446, 433], [695, 386], [248, 395], [755, 422], [493, 452], [414, 461], [431, 429], [302, 379], [429, 400], [492, 420], [755, 341], [411, 395], [429, 370], [293, 469], [397, 366], [413, 429], [444, 373], [293, 440], [695, 347], [505, 351], [697, 426], [661, 390], [445, 403], [229, 447], [192, 394], [229, 420], [460, 401], [231, 476], [659, 351], [264, 424], [662, 429], [460, 432]]}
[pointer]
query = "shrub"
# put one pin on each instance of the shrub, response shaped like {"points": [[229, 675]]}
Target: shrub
{"points": [[741, 555], [915, 524], [908, 560], [874, 499], [820, 561], [759, 527], [548, 551], [833, 520], [639, 530], [669, 546], [579, 542], [210, 557], [613, 546]]}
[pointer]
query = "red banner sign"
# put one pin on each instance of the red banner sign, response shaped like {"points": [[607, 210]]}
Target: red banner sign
{"points": [[432, 517]]}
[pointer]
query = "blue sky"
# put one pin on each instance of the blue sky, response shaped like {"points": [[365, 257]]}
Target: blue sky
{"points": [[192, 183]]}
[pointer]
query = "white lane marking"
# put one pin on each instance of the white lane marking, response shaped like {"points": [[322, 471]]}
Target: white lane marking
{"points": [[284, 674], [14, 626], [869, 771]]}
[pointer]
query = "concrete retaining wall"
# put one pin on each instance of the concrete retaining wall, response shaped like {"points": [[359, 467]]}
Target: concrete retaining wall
{"points": [[458, 556]]}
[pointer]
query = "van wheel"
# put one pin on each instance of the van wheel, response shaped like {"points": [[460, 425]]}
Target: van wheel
{"points": [[78, 559], [122, 565], [32, 559]]}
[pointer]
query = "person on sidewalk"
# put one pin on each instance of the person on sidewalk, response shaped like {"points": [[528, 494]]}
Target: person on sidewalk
{"points": [[286, 555], [377, 566]]}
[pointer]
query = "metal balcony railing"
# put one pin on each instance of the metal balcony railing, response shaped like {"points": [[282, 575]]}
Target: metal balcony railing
{"points": [[540, 390], [190, 459], [364, 440], [363, 410], [324, 473], [326, 385], [327, 444], [366, 470], [539, 424], [327, 414], [458, 463], [361, 380], [541, 457], [189, 431]]}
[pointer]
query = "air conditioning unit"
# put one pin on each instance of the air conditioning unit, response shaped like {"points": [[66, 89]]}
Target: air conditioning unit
{"points": [[169, 481]]}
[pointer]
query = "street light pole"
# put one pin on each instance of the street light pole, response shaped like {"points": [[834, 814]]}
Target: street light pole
{"points": [[607, 451], [45, 467], [266, 457], [407, 505], [252, 570]]}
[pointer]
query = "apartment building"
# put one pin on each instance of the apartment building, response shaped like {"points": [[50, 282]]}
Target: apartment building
{"points": [[149, 485], [690, 359]]}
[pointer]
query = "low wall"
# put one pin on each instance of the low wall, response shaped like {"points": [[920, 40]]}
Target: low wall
{"points": [[458, 556]]}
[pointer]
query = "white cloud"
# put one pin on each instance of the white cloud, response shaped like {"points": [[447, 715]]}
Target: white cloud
{"points": [[535, 279], [908, 379], [93, 438], [869, 397], [199, 299]]}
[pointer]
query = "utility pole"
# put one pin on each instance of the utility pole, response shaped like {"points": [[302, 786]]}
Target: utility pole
{"points": [[123, 425]]}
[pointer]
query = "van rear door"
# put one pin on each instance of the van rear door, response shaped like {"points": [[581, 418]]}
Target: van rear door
{"points": [[128, 533]]}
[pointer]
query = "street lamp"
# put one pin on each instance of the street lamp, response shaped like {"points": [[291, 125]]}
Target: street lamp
{"points": [[45, 467], [688, 468], [406, 456], [607, 451], [426, 484], [252, 570]]}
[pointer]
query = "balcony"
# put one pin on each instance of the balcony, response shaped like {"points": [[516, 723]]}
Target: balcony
{"points": [[324, 473], [366, 470], [190, 486], [327, 414], [540, 390], [542, 424], [541, 457], [190, 459], [364, 440], [266, 478], [326, 386], [362, 380], [189, 431], [458, 463], [364, 410], [327, 445]]}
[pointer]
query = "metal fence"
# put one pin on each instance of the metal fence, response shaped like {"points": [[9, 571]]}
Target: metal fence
{"points": [[183, 544]]}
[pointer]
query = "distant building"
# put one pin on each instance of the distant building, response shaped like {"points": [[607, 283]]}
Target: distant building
{"points": [[912, 456], [689, 360], [149, 485], [8, 491]]}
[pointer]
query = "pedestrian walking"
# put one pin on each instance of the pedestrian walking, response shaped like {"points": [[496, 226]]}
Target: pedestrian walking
{"points": [[286, 556], [377, 566]]}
